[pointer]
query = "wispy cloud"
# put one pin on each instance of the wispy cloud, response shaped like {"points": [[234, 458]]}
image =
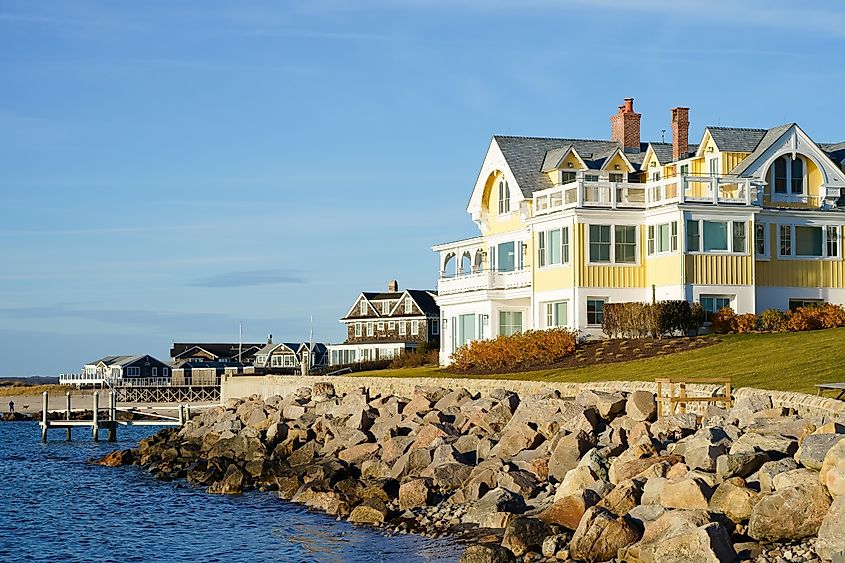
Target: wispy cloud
{"points": [[250, 278]]}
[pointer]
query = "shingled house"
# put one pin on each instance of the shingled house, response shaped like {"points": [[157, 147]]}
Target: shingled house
{"points": [[381, 325]]}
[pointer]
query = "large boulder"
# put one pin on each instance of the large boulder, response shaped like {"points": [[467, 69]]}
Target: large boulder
{"points": [[689, 493], [525, 534], [414, 493], [624, 496], [515, 438], [831, 540], [609, 405], [770, 469], [733, 499], [832, 473], [814, 448], [601, 534], [670, 524], [581, 478], [567, 453], [789, 514], [739, 465], [371, 511], [569, 510], [232, 483], [710, 543], [641, 406], [775, 445], [486, 553], [496, 500]]}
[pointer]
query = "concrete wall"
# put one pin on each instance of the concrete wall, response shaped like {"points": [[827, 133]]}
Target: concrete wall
{"points": [[267, 386]]}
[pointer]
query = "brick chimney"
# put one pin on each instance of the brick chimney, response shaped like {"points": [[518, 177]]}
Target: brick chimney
{"points": [[625, 126], [680, 133], [393, 286]]}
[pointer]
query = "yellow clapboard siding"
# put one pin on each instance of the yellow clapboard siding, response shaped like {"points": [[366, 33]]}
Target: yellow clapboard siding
{"points": [[610, 276], [664, 270], [719, 269], [798, 273]]}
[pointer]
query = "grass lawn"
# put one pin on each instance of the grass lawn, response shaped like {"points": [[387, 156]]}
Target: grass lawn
{"points": [[793, 361], [32, 390]]}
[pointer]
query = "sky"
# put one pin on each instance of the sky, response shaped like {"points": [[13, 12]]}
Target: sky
{"points": [[171, 169]]}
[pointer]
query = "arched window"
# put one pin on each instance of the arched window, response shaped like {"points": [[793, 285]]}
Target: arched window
{"points": [[788, 175], [504, 197]]}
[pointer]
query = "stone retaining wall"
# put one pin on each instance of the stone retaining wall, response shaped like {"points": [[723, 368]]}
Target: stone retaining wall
{"points": [[269, 385]]}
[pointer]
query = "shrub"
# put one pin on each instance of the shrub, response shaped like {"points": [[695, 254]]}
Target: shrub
{"points": [[773, 320], [697, 317], [723, 320], [744, 323], [641, 320], [422, 356], [524, 350]]}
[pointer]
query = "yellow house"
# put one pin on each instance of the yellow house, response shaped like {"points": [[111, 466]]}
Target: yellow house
{"points": [[747, 218]]}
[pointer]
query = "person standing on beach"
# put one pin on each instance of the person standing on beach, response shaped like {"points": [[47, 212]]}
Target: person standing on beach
{"points": [[11, 406]]}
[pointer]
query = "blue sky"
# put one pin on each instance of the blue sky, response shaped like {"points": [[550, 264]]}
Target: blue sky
{"points": [[169, 169]]}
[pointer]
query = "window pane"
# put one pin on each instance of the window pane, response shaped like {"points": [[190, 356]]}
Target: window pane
{"points": [[561, 315], [760, 238], [650, 249], [541, 248], [693, 238], [785, 240], [553, 248], [808, 241], [797, 176], [780, 175], [599, 243], [506, 257], [626, 244], [595, 311], [832, 241], [663, 236], [715, 235], [738, 237], [466, 329], [565, 245]]}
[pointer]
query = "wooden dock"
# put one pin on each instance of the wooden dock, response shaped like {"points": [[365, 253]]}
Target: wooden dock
{"points": [[110, 422]]}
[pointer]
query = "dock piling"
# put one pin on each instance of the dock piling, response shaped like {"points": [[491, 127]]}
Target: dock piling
{"points": [[96, 425], [67, 415], [112, 417], [44, 417]]}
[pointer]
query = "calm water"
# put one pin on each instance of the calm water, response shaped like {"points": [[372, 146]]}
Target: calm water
{"points": [[56, 507]]}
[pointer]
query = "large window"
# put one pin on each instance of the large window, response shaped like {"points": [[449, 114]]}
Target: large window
{"points": [[504, 197], [415, 328], [567, 177], [663, 238], [358, 329], [808, 241], [716, 236], [622, 238], [595, 311], [463, 330], [557, 314], [788, 175], [507, 256], [599, 243], [796, 303], [712, 303], [369, 329], [553, 247], [510, 322]]}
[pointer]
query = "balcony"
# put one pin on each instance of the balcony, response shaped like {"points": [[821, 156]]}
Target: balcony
{"points": [[624, 195], [486, 280]]}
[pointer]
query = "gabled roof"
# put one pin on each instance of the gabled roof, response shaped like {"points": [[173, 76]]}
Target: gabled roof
{"points": [[425, 301], [423, 298], [836, 151], [115, 360], [217, 349], [735, 139], [555, 157], [268, 349], [769, 137]]}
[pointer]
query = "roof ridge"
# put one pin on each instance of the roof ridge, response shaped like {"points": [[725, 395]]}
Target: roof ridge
{"points": [[553, 138], [737, 128]]}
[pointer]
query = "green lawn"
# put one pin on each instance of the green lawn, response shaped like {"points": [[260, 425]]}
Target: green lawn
{"points": [[784, 361]]}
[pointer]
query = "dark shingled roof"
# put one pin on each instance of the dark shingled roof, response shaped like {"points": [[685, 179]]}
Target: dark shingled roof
{"points": [[769, 137], [736, 139], [836, 151], [527, 156]]}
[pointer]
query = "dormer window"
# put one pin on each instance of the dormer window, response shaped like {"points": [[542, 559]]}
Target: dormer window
{"points": [[788, 175], [504, 197], [567, 177]]}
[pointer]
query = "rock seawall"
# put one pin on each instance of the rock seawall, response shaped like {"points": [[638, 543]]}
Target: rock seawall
{"points": [[587, 476]]}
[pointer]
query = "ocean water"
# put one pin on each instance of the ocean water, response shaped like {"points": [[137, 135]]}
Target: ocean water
{"points": [[54, 506]]}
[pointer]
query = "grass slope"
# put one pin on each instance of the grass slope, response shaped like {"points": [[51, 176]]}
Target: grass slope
{"points": [[784, 361]]}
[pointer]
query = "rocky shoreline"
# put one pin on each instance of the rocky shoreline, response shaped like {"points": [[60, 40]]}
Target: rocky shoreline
{"points": [[539, 477]]}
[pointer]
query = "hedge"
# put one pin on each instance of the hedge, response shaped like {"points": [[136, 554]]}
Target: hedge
{"points": [[528, 349], [643, 320], [815, 317]]}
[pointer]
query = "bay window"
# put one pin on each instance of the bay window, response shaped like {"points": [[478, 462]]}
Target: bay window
{"points": [[663, 238], [716, 236]]}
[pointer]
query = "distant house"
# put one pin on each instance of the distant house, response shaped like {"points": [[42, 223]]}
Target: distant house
{"points": [[111, 369], [287, 356], [243, 353], [381, 325]]}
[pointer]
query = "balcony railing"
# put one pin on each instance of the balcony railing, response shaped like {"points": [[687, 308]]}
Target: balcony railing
{"points": [[624, 195], [482, 281]]}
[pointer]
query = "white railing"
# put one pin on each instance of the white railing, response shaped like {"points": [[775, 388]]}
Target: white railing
{"points": [[81, 379], [625, 195], [483, 281]]}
